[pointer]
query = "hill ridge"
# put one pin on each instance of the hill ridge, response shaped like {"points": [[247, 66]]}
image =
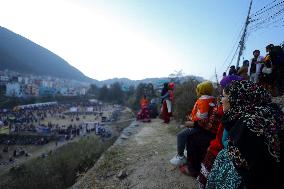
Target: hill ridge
{"points": [[20, 54]]}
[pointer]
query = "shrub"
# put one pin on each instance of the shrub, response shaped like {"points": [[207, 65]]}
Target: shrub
{"points": [[60, 169], [184, 99]]}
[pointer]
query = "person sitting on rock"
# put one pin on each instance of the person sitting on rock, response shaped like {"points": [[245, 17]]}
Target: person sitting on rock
{"points": [[195, 126], [153, 109], [143, 114]]}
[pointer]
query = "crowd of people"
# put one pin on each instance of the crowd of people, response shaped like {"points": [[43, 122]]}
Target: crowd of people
{"points": [[24, 123], [235, 140], [62, 125], [267, 70], [149, 110]]}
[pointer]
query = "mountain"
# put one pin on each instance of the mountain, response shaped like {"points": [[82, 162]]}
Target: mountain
{"points": [[24, 56], [155, 81]]}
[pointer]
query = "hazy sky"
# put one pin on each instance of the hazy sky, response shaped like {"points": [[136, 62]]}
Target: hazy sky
{"points": [[138, 38]]}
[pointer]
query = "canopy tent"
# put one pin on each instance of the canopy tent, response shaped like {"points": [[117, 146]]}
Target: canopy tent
{"points": [[73, 109], [21, 107], [42, 129], [90, 109]]}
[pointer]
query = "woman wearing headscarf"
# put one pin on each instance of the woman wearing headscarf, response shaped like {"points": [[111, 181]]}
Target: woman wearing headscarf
{"points": [[251, 157], [196, 136]]}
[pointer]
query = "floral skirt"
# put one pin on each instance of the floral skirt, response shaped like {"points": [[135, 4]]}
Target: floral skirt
{"points": [[223, 174]]}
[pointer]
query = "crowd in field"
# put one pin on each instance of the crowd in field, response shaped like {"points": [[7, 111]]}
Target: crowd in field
{"points": [[27, 119], [38, 125]]}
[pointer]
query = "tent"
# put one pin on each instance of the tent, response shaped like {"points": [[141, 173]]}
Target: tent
{"points": [[90, 109], [73, 109], [42, 129]]}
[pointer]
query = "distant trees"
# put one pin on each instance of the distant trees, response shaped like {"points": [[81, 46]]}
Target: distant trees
{"points": [[103, 93], [93, 90], [115, 93], [176, 76]]}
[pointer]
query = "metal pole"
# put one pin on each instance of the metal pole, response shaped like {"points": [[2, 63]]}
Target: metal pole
{"points": [[242, 41]]}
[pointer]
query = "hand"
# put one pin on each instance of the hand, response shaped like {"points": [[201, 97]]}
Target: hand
{"points": [[189, 124], [188, 117]]}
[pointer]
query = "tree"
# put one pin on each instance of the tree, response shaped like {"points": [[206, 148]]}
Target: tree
{"points": [[116, 94], [176, 76], [130, 92], [103, 93], [93, 90]]}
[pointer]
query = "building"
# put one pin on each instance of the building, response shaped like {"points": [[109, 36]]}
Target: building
{"points": [[46, 91], [14, 89], [83, 91], [31, 90]]}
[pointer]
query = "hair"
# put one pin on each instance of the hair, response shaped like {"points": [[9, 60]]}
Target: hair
{"points": [[270, 46], [245, 63], [226, 89], [166, 85], [256, 51]]}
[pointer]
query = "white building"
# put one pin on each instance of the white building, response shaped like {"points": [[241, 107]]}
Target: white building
{"points": [[14, 89], [83, 91], [4, 78]]}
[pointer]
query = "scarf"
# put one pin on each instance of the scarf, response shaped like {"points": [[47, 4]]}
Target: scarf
{"points": [[251, 103]]}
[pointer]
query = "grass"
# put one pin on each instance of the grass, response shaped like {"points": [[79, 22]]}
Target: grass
{"points": [[111, 162], [60, 169]]}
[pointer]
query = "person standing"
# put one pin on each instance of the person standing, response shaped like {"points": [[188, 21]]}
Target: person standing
{"points": [[276, 55], [233, 70], [165, 97], [254, 66]]}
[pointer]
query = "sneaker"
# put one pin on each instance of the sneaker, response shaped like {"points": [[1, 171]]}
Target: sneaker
{"points": [[178, 160]]}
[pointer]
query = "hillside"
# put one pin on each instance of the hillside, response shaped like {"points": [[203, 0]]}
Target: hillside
{"points": [[24, 56], [139, 159]]}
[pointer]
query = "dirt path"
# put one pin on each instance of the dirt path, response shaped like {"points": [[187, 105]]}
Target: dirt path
{"points": [[141, 155]]}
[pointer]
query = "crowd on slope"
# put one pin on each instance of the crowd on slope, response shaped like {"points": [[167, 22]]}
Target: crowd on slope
{"points": [[235, 140]]}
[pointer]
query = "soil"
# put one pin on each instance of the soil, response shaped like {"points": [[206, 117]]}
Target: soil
{"points": [[139, 159]]}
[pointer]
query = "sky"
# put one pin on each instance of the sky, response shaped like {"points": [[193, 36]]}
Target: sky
{"points": [[139, 39]]}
